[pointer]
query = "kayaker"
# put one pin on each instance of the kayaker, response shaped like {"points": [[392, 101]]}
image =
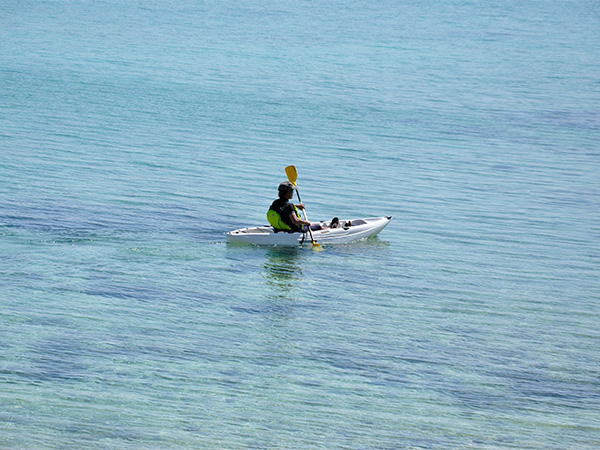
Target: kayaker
{"points": [[284, 215]]}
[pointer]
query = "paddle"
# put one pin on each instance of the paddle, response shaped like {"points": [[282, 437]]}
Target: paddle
{"points": [[292, 174]]}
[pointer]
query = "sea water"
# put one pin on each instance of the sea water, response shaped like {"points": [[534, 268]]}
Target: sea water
{"points": [[134, 135]]}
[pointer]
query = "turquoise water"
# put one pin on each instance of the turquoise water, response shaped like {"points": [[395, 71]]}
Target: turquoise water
{"points": [[133, 135]]}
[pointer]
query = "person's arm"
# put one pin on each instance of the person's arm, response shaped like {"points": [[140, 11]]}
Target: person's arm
{"points": [[297, 220]]}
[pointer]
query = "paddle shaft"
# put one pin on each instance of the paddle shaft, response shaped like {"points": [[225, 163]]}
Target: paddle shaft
{"points": [[292, 174], [306, 218]]}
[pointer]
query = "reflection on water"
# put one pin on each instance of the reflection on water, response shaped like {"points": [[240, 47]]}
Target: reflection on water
{"points": [[283, 269], [282, 265]]}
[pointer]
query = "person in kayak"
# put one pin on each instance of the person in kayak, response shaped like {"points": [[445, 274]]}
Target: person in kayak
{"points": [[283, 215]]}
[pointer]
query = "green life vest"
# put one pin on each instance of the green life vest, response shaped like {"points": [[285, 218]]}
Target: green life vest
{"points": [[277, 222]]}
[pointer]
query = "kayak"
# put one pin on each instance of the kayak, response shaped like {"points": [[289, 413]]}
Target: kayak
{"points": [[348, 231]]}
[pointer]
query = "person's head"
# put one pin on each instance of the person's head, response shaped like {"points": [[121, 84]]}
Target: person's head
{"points": [[285, 189]]}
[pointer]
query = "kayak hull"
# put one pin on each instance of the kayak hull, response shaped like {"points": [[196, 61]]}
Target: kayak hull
{"points": [[266, 235]]}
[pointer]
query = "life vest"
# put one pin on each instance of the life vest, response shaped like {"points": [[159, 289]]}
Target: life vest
{"points": [[277, 222]]}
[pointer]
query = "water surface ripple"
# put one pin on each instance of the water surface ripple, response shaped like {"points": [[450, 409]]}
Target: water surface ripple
{"points": [[134, 135]]}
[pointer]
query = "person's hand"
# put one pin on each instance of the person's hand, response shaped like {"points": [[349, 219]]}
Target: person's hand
{"points": [[300, 205]]}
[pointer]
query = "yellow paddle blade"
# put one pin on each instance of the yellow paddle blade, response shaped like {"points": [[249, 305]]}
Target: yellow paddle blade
{"points": [[292, 174], [317, 247]]}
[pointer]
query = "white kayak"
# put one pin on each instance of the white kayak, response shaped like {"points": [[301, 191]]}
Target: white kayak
{"points": [[348, 231]]}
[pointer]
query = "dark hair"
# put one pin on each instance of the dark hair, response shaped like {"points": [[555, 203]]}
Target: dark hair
{"points": [[284, 188]]}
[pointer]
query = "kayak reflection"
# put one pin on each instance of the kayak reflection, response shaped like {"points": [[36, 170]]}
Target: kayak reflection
{"points": [[282, 268]]}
